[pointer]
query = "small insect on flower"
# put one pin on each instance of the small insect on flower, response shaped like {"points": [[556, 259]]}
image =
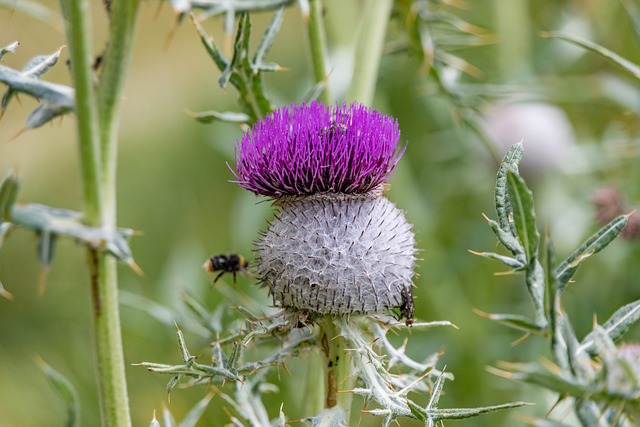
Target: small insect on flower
{"points": [[231, 263]]}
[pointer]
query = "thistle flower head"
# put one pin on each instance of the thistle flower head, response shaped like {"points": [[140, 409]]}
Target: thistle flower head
{"points": [[313, 148], [337, 246]]}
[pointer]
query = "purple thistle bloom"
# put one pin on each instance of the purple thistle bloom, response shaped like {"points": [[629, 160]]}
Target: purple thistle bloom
{"points": [[313, 148], [337, 246]]}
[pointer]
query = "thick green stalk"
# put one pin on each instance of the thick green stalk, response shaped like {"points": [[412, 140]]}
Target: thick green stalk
{"points": [[76, 14], [116, 64], [314, 393], [339, 368], [318, 46], [368, 52], [98, 121]]}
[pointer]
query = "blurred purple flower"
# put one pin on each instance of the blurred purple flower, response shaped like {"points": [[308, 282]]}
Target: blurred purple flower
{"points": [[314, 148]]}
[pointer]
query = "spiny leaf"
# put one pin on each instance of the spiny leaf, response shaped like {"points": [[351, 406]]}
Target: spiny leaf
{"points": [[49, 223], [524, 217], [268, 38], [533, 373], [331, 417], [501, 198], [591, 246], [616, 326], [460, 413], [211, 8], [44, 113], [534, 278], [556, 315], [8, 49], [509, 241], [514, 321], [513, 263], [625, 64], [210, 45], [244, 73], [56, 99], [41, 64], [226, 116]]}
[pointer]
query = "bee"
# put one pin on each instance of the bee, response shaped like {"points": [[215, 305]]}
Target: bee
{"points": [[231, 263]]}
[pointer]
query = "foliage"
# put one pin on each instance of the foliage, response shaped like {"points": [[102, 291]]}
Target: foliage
{"points": [[433, 48]]}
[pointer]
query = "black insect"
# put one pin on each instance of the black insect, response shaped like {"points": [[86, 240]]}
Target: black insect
{"points": [[231, 263], [406, 309]]}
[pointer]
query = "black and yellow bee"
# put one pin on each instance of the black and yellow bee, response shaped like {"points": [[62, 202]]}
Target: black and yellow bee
{"points": [[231, 263]]}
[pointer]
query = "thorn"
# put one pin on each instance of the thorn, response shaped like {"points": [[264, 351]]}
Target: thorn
{"points": [[169, 38], [135, 267], [42, 281], [504, 273], [17, 135], [482, 313], [5, 293], [521, 339]]}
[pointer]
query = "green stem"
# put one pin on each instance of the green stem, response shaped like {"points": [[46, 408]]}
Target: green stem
{"points": [[339, 368], [116, 64], [98, 121], [368, 52], [78, 33], [318, 46], [314, 393]]}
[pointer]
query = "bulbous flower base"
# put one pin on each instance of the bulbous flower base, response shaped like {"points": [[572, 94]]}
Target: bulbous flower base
{"points": [[338, 254]]}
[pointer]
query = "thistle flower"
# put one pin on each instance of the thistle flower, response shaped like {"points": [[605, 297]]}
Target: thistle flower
{"points": [[337, 245]]}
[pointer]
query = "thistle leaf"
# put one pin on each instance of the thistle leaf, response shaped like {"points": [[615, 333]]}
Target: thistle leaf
{"points": [[524, 217], [331, 417], [226, 116], [534, 278], [460, 413], [49, 223], [509, 241], [268, 38], [243, 72], [56, 99], [616, 326], [514, 321], [556, 315], [8, 49], [625, 64], [41, 64], [513, 263], [591, 246], [501, 197]]}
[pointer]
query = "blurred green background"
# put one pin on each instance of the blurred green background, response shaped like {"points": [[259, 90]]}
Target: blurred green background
{"points": [[173, 186]]}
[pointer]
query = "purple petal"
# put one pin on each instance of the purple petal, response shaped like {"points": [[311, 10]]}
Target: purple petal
{"points": [[315, 148]]}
